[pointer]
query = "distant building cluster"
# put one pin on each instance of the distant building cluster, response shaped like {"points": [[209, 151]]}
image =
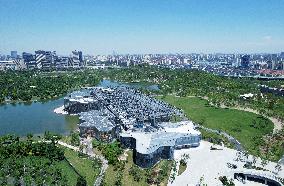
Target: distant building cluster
{"points": [[42, 60], [221, 64], [144, 124]]}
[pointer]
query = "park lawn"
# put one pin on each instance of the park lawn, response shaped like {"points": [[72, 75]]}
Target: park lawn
{"points": [[83, 165], [235, 122], [110, 174], [68, 171]]}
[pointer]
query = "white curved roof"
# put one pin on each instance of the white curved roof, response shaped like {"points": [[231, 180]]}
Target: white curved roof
{"points": [[148, 142]]}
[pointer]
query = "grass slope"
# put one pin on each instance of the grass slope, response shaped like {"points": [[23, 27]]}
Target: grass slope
{"points": [[246, 127], [67, 170], [83, 165]]}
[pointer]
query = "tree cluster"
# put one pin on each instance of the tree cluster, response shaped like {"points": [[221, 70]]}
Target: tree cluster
{"points": [[29, 162]]}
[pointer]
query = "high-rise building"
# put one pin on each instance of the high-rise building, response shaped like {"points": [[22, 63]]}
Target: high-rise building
{"points": [[245, 59], [29, 60], [14, 54], [44, 59], [61, 62], [75, 59], [54, 57], [27, 57], [40, 58], [47, 63], [80, 56], [269, 65]]}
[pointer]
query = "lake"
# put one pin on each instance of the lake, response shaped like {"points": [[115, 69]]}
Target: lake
{"points": [[37, 117]]}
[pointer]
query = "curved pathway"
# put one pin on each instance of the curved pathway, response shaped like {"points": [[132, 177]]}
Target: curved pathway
{"points": [[278, 125], [89, 152]]}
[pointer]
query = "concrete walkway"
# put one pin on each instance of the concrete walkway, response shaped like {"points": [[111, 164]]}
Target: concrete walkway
{"points": [[211, 164]]}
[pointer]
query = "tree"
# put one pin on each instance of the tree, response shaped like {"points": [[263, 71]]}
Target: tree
{"points": [[81, 149], [30, 137], [81, 181], [253, 160], [201, 181], [225, 181], [264, 162], [245, 155], [278, 168], [75, 138], [118, 181], [2, 97], [136, 173]]}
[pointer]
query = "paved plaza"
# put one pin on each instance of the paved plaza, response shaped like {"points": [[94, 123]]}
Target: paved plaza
{"points": [[211, 164]]}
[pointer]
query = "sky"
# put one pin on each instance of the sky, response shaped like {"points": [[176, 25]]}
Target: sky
{"points": [[142, 26]]}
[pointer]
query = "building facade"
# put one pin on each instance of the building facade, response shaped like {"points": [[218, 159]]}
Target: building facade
{"points": [[150, 147]]}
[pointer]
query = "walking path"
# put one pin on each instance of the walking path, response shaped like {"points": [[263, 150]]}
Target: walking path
{"points": [[278, 125], [89, 152], [237, 144]]}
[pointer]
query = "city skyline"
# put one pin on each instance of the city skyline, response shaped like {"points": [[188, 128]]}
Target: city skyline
{"points": [[102, 27]]}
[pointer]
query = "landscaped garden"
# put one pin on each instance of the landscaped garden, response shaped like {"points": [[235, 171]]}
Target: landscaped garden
{"points": [[130, 174], [88, 168], [246, 127], [33, 161]]}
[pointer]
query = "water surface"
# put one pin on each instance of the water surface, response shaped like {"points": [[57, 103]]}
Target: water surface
{"points": [[37, 117]]}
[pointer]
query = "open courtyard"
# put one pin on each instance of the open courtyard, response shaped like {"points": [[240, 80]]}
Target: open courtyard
{"points": [[211, 164]]}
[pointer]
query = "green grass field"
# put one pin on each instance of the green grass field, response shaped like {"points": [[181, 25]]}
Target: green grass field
{"points": [[67, 170], [246, 127], [83, 165]]}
